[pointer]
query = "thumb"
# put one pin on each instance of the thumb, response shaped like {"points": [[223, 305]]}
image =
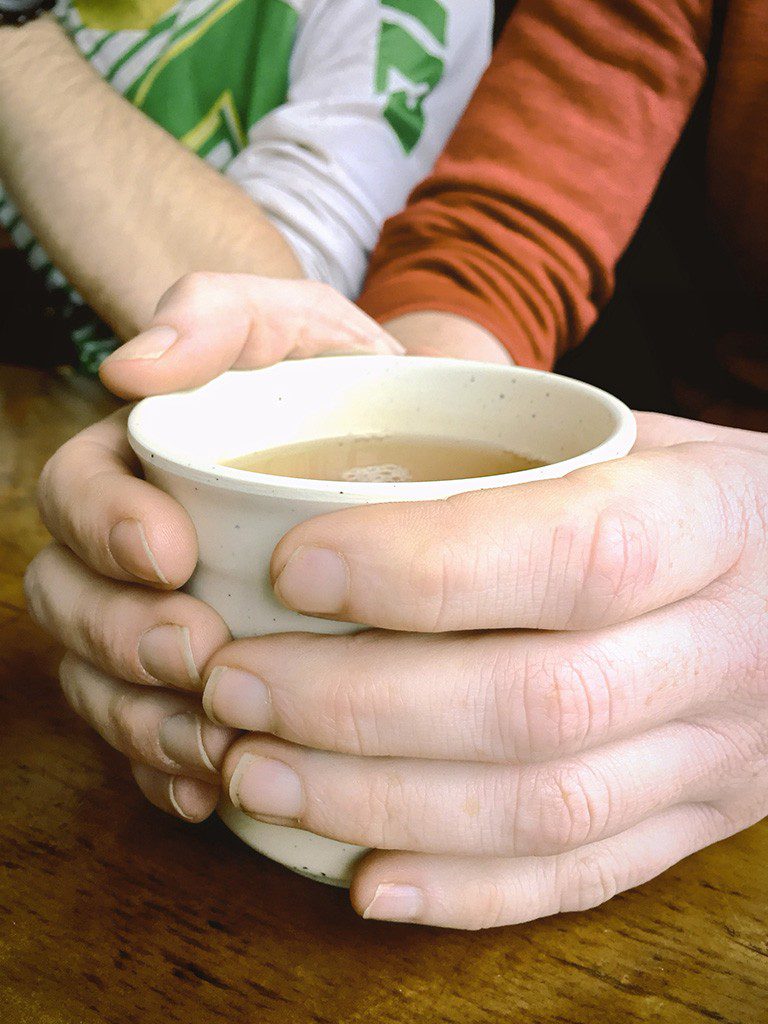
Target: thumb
{"points": [[208, 323]]}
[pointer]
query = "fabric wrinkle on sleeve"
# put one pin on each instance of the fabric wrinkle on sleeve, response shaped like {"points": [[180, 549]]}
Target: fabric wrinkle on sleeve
{"points": [[525, 216]]}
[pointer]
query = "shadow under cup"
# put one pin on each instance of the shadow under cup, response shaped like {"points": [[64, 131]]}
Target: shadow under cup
{"points": [[182, 440]]}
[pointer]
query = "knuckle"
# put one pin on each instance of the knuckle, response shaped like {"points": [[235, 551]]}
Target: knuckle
{"points": [[486, 905], [567, 701], [345, 717], [593, 879], [621, 562], [191, 298], [97, 492], [54, 484], [104, 636], [193, 287], [83, 531], [39, 592], [427, 587], [394, 815], [131, 722], [32, 591], [355, 705], [70, 685], [501, 729], [93, 625], [736, 748], [441, 578], [571, 810]]}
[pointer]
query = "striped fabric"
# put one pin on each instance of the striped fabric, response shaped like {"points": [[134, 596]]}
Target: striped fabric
{"points": [[326, 113], [135, 62]]}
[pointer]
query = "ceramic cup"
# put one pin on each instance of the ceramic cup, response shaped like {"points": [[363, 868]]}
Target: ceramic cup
{"points": [[182, 439]]}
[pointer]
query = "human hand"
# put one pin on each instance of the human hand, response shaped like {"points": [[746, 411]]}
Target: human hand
{"points": [[106, 587], [566, 696], [208, 323]]}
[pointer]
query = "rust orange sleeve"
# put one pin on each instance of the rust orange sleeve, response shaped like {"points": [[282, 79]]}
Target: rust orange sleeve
{"points": [[521, 224]]}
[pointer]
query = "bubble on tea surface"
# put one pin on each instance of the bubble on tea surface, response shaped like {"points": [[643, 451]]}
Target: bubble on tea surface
{"points": [[387, 474]]}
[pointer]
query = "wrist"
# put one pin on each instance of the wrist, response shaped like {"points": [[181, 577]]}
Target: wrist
{"points": [[432, 333]]}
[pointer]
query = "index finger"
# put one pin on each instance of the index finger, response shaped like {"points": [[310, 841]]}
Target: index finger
{"points": [[603, 545], [92, 501]]}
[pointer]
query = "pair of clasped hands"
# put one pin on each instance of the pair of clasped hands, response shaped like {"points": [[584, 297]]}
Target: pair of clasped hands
{"points": [[565, 689]]}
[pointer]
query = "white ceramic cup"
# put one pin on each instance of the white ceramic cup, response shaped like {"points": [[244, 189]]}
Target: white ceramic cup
{"points": [[182, 439]]}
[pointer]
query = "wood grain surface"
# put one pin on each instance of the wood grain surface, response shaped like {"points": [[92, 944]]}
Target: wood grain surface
{"points": [[111, 912]]}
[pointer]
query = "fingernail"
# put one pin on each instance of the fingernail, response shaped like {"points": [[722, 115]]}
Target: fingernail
{"points": [[238, 699], [392, 902], [188, 797], [192, 743], [314, 580], [150, 344], [129, 547], [165, 652], [263, 787]]}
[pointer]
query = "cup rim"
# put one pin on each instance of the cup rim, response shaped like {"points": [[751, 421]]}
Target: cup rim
{"points": [[618, 442]]}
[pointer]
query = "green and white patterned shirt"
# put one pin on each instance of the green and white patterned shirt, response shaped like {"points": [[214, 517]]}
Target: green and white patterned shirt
{"points": [[326, 112]]}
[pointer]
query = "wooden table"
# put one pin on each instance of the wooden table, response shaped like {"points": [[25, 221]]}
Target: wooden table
{"points": [[112, 912]]}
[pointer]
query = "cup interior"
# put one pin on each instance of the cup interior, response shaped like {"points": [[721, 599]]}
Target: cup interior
{"points": [[540, 415]]}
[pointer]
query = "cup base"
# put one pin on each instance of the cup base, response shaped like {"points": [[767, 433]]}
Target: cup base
{"points": [[322, 860]]}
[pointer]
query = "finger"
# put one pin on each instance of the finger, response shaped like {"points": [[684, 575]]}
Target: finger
{"points": [[473, 893], [209, 323], [505, 697], [156, 728], [482, 810], [93, 503], [603, 545], [136, 634], [188, 799]]}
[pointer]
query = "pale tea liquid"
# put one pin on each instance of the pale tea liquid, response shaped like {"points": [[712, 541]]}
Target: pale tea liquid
{"points": [[394, 458]]}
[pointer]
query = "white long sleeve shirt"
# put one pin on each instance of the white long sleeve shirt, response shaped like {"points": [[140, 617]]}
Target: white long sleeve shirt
{"points": [[326, 112]]}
